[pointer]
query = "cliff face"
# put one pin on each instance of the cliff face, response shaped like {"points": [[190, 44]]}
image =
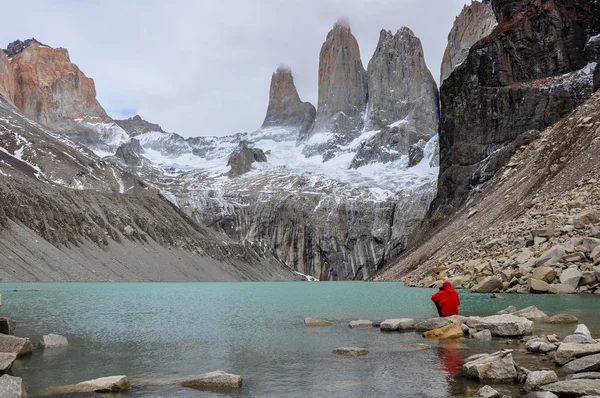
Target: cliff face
{"points": [[285, 109], [530, 72], [475, 22], [51, 89], [342, 85], [401, 86], [7, 79]]}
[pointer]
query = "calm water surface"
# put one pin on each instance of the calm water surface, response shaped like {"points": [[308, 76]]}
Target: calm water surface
{"points": [[157, 332]]}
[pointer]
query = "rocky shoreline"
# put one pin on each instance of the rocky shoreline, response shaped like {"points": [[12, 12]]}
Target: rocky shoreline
{"points": [[565, 364]]}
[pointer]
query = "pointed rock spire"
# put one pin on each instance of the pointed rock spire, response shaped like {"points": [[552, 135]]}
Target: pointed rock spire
{"points": [[475, 22], [342, 83], [285, 107], [401, 87]]}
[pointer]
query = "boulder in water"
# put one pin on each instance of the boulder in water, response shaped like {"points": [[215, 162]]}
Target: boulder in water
{"points": [[16, 345], [214, 380], [540, 378], [574, 388], [6, 361], [590, 363], [567, 352], [502, 325], [316, 322], [497, 367], [390, 325], [531, 313], [351, 351], [12, 387], [53, 341], [430, 324], [361, 324], [487, 392], [101, 385], [561, 319], [452, 331]]}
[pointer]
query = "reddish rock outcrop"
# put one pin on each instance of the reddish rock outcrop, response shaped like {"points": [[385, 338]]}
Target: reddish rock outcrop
{"points": [[7, 79], [530, 72], [50, 89], [475, 22], [285, 107], [342, 84]]}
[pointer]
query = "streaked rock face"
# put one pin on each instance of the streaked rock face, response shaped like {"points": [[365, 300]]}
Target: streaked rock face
{"points": [[475, 22], [7, 80], [529, 73], [285, 107], [401, 86], [51, 89], [342, 84]]}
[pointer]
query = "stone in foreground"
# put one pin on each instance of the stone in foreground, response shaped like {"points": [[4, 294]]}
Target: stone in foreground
{"points": [[214, 380], [101, 385], [316, 322], [483, 335], [562, 319], [351, 351], [487, 392], [390, 325], [452, 331], [7, 326], [430, 324], [6, 362], [574, 388], [532, 313], [12, 387], [53, 341], [502, 325], [567, 352], [497, 367], [15, 345], [589, 363], [540, 378], [361, 324]]}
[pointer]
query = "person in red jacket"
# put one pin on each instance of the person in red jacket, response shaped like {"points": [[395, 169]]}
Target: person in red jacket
{"points": [[446, 300]]}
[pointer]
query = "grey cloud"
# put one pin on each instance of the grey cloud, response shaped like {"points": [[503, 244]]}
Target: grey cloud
{"points": [[204, 67]]}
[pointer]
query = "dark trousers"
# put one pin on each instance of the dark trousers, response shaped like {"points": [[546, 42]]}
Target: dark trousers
{"points": [[439, 308]]}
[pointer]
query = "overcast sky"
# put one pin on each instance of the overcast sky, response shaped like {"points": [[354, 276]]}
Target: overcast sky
{"points": [[203, 67]]}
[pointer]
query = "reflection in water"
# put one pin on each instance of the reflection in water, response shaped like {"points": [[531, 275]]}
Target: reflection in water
{"points": [[451, 357]]}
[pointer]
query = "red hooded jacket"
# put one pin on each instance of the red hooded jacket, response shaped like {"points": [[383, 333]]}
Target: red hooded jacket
{"points": [[447, 299]]}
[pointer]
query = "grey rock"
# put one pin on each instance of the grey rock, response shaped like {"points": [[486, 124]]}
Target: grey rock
{"points": [[491, 284], [531, 313], [6, 361], [497, 367], [401, 88], [130, 153], [483, 335], [538, 286], [214, 380], [540, 378], [561, 319], [502, 325], [570, 277], [12, 387], [15, 345], [586, 218], [361, 324], [576, 388], [588, 278], [110, 384], [430, 324], [562, 289], [316, 322], [583, 330], [351, 351], [416, 153], [541, 394], [590, 363], [567, 352], [584, 375], [509, 310], [554, 252], [53, 341], [397, 324], [578, 339], [487, 392]]}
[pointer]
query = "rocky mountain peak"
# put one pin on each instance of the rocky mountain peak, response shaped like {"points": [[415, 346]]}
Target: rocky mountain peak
{"points": [[242, 158], [475, 22], [18, 46], [342, 84], [136, 125], [401, 85], [285, 107]]}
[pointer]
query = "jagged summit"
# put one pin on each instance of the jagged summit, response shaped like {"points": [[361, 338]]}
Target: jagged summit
{"points": [[285, 109], [342, 83], [136, 125], [18, 46]]}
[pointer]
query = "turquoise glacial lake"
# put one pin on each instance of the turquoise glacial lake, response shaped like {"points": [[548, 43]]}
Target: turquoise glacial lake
{"points": [[156, 333]]}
